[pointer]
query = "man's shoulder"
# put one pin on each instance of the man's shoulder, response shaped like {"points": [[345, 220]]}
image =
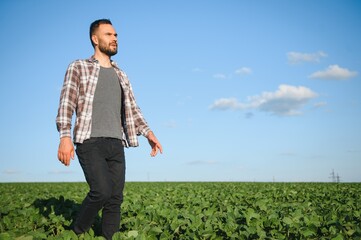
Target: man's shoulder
{"points": [[82, 62], [81, 67]]}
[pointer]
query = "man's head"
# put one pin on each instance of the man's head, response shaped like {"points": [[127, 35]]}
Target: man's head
{"points": [[103, 37]]}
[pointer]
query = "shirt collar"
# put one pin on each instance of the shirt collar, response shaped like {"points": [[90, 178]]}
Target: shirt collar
{"points": [[93, 60]]}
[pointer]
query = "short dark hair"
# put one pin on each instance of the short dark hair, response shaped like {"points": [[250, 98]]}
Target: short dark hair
{"points": [[94, 26]]}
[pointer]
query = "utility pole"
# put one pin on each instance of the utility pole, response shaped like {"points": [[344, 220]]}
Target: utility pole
{"points": [[338, 178], [333, 176]]}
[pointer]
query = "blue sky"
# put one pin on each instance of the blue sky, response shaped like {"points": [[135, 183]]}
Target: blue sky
{"points": [[234, 90]]}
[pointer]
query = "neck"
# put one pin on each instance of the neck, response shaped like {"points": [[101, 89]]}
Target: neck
{"points": [[104, 60]]}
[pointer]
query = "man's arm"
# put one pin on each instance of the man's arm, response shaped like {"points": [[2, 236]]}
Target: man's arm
{"points": [[143, 128], [67, 105], [140, 123]]}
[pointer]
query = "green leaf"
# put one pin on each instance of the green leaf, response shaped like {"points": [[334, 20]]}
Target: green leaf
{"points": [[308, 233], [288, 220], [156, 230], [338, 237], [24, 237], [5, 236], [133, 233]]}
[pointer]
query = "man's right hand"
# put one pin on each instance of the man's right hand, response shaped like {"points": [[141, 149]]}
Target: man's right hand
{"points": [[65, 150]]}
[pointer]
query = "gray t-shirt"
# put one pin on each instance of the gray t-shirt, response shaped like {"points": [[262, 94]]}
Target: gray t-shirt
{"points": [[107, 104]]}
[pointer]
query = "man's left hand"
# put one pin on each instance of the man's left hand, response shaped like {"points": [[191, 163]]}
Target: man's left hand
{"points": [[154, 143]]}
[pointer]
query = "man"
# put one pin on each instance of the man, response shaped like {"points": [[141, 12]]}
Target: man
{"points": [[107, 119]]}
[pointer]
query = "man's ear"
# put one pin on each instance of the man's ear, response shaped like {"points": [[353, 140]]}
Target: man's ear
{"points": [[95, 39]]}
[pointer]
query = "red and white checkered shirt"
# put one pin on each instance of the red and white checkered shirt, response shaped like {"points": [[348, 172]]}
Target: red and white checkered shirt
{"points": [[77, 95]]}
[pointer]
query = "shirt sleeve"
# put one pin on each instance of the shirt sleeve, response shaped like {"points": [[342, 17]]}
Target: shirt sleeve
{"points": [[140, 123], [68, 99]]}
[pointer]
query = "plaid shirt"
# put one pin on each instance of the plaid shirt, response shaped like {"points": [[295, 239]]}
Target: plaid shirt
{"points": [[77, 95]]}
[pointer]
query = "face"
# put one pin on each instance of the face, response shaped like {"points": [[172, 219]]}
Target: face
{"points": [[105, 38]]}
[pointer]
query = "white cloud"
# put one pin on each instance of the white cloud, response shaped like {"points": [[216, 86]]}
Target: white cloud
{"points": [[11, 172], [286, 101], [320, 104], [297, 57], [334, 72], [220, 76], [239, 71], [227, 103], [243, 70]]}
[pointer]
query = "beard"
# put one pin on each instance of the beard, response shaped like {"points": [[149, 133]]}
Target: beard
{"points": [[107, 49]]}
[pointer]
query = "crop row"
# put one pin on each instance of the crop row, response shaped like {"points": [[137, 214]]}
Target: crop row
{"points": [[190, 210]]}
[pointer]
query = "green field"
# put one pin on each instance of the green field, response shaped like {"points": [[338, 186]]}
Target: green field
{"points": [[190, 210]]}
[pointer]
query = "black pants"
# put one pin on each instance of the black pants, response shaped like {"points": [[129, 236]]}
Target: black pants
{"points": [[103, 163]]}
